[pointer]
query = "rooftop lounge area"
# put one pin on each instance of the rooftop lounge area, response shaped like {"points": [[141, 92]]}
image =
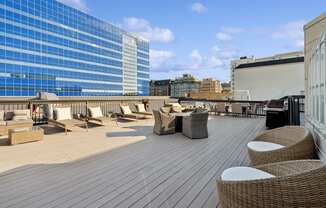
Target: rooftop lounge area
{"points": [[123, 164]]}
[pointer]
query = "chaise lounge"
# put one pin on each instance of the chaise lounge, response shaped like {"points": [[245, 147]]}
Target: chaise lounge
{"points": [[95, 115], [141, 110], [62, 117], [128, 114]]}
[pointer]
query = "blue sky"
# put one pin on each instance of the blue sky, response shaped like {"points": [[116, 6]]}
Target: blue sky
{"points": [[202, 37]]}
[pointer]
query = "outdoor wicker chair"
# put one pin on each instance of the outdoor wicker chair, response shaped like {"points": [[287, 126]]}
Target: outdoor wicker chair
{"points": [[282, 144], [164, 123], [289, 184], [194, 126]]}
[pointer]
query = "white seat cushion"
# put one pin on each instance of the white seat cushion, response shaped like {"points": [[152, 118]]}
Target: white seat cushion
{"points": [[264, 146], [63, 114], [244, 174], [141, 108], [95, 112], [126, 109]]}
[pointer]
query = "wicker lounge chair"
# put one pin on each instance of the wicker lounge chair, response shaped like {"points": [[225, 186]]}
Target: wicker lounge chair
{"points": [[128, 114], [95, 115], [164, 123], [194, 126], [289, 184], [63, 119], [141, 110], [282, 144]]}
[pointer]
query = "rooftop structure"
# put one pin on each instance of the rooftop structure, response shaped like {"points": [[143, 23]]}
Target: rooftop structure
{"points": [[267, 78], [48, 46]]}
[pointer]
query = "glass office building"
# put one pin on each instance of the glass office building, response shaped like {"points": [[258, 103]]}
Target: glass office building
{"points": [[48, 46]]}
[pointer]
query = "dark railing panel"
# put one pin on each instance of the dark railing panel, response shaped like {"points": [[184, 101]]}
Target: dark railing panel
{"points": [[257, 107]]}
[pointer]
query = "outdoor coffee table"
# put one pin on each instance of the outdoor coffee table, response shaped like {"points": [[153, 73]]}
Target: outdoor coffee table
{"points": [[178, 120], [24, 135]]}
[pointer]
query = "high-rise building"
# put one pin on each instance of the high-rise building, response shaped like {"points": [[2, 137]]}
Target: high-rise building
{"points": [[48, 46]]}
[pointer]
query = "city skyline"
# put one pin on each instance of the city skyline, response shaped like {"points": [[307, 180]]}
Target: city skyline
{"points": [[231, 30]]}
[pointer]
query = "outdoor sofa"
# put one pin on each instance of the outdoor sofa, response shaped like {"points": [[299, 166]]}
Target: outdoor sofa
{"points": [[14, 120]]}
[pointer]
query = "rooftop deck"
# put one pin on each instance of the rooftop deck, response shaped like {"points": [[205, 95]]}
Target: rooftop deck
{"points": [[125, 166]]}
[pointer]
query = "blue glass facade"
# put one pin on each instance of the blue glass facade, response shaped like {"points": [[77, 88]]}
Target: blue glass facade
{"points": [[48, 46]]}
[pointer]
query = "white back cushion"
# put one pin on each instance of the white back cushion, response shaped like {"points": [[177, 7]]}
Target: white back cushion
{"points": [[244, 174], [264, 146], [22, 113], [95, 112], [125, 109], [63, 114], [141, 108]]}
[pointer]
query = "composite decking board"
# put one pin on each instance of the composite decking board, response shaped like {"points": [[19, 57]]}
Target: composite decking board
{"points": [[185, 194], [62, 184], [144, 189], [86, 160], [182, 179], [132, 177], [94, 161], [160, 172], [198, 152], [209, 188], [25, 203], [83, 160]]}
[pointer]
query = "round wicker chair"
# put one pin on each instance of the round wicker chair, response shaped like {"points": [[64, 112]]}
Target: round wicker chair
{"points": [[296, 184], [297, 141]]}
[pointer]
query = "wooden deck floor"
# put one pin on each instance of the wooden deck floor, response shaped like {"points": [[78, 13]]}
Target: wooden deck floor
{"points": [[167, 171]]}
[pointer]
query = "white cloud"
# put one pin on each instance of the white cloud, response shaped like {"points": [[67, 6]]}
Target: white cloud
{"points": [[198, 7], [196, 56], [160, 58], [221, 36], [78, 4], [228, 33], [144, 28], [292, 32]]}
